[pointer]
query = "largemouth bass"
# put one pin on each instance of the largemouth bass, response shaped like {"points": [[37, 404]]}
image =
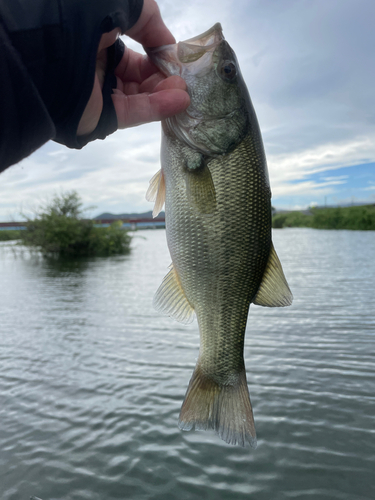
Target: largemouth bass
{"points": [[214, 183]]}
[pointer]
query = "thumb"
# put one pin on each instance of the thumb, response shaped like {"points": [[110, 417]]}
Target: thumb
{"points": [[150, 30]]}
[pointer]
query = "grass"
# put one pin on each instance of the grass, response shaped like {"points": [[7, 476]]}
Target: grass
{"points": [[354, 218]]}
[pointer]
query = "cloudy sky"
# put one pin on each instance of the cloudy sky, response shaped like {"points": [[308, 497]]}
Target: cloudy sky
{"points": [[310, 69]]}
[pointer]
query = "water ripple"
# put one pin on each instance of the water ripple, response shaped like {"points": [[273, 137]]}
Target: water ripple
{"points": [[92, 380]]}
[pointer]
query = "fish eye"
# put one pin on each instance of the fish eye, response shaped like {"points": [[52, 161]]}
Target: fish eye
{"points": [[228, 70]]}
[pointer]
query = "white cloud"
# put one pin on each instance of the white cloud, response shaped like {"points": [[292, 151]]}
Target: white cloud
{"points": [[325, 157], [338, 179], [287, 169]]}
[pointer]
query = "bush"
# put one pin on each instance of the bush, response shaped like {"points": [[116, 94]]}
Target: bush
{"points": [[278, 221], [111, 240], [59, 229], [360, 218], [291, 219], [9, 234], [328, 218]]}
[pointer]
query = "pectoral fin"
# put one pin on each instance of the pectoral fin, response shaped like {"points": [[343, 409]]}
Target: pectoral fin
{"points": [[274, 290], [171, 299], [156, 192], [200, 187]]}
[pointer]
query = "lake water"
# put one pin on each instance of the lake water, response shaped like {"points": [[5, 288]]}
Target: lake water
{"points": [[92, 380]]}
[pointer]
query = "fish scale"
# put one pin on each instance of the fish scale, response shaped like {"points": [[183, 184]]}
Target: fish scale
{"points": [[214, 183], [229, 272]]}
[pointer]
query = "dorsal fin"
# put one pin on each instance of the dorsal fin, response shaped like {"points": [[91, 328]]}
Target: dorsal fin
{"points": [[156, 192], [274, 290], [171, 299]]}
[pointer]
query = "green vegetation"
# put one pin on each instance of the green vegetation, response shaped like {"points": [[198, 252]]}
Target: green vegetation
{"points": [[9, 234], [360, 218], [291, 219], [59, 229]]}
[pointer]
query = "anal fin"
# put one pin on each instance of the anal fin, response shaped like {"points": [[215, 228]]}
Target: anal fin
{"points": [[171, 300], [274, 290]]}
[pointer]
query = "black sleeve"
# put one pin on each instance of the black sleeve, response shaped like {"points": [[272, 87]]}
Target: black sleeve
{"points": [[47, 64]]}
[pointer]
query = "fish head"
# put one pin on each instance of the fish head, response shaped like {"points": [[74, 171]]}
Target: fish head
{"points": [[218, 117]]}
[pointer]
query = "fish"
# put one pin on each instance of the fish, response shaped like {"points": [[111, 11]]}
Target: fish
{"points": [[215, 187]]}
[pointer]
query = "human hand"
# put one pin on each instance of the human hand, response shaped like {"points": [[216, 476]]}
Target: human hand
{"points": [[143, 94]]}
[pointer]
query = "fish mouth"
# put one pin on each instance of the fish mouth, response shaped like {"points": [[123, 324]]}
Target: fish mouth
{"points": [[171, 59], [194, 48], [213, 35], [191, 59]]}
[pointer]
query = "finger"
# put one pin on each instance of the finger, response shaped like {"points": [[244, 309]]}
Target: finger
{"points": [[150, 30], [154, 83], [144, 108], [148, 86], [172, 82], [134, 67]]}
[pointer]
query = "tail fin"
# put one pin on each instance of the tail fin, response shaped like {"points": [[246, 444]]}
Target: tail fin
{"points": [[224, 408]]}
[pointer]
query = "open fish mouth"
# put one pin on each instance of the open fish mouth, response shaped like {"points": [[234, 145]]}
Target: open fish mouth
{"points": [[209, 37], [171, 59]]}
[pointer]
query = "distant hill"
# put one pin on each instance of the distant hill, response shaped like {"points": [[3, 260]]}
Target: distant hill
{"points": [[144, 215]]}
